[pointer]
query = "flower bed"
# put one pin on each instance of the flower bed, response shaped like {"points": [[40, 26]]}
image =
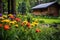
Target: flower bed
{"points": [[23, 28]]}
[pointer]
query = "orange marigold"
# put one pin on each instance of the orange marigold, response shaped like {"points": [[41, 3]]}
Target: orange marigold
{"points": [[0, 25], [17, 19], [38, 30], [6, 27], [11, 17], [28, 25]]}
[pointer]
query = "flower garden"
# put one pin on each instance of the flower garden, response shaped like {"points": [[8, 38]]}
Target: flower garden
{"points": [[26, 27]]}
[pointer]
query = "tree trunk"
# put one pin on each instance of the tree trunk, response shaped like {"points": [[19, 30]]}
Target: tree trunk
{"points": [[9, 6], [13, 6], [1, 7]]}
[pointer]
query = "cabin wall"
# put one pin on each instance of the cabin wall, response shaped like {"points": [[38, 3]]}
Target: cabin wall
{"points": [[53, 11], [39, 12], [44, 12], [36, 12]]}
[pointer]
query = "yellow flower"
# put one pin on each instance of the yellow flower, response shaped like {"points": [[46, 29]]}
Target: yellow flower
{"points": [[25, 22], [35, 23], [32, 25], [12, 22], [16, 25], [4, 16], [6, 20], [10, 15], [15, 21]]}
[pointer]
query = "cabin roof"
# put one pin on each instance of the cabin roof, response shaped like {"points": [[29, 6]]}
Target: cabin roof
{"points": [[44, 5]]}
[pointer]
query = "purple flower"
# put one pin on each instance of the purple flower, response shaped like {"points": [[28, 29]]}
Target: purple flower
{"points": [[0, 14]]}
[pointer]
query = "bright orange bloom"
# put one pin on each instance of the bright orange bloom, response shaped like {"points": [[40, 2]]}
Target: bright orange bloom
{"points": [[37, 30], [0, 25], [28, 25], [18, 19], [11, 17], [6, 27]]}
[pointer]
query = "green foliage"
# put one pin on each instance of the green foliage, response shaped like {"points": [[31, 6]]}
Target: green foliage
{"points": [[42, 21], [22, 7], [22, 33], [28, 3]]}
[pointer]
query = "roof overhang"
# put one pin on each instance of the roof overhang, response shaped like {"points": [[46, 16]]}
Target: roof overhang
{"points": [[44, 5]]}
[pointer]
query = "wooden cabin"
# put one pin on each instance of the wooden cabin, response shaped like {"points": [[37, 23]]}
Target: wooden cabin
{"points": [[51, 9]]}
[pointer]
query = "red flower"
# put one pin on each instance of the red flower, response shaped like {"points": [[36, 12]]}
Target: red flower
{"points": [[17, 19], [28, 25], [0, 25], [37, 30], [12, 17], [6, 27]]}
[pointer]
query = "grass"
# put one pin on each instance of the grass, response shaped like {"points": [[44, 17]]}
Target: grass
{"points": [[47, 19], [50, 21]]}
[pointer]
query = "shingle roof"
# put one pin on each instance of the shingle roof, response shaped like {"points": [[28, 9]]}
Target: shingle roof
{"points": [[44, 5]]}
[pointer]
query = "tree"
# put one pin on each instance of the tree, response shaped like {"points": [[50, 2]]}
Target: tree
{"points": [[23, 7], [13, 6], [9, 6], [19, 8], [1, 7]]}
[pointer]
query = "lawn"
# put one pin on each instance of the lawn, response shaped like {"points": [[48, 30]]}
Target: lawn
{"points": [[49, 21]]}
